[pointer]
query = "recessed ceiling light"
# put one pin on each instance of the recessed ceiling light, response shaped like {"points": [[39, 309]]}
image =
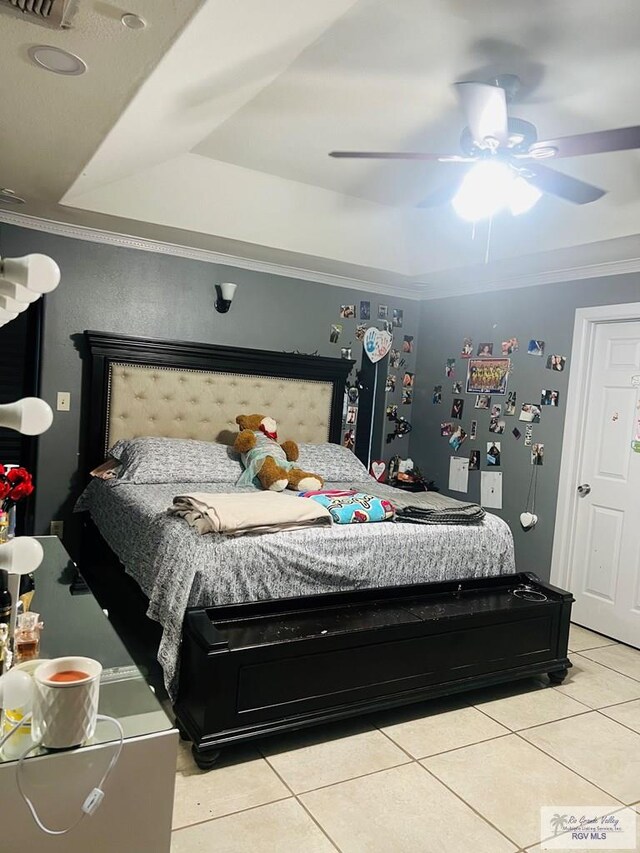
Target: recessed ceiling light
{"points": [[8, 196], [133, 22], [57, 60]]}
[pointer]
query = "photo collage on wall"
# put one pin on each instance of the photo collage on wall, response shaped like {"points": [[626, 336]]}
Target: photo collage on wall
{"points": [[481, 377], [352, 325]]}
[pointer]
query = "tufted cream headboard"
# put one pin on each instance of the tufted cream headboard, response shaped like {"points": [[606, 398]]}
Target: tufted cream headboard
{"points": [[178, 403], [145, 386]]}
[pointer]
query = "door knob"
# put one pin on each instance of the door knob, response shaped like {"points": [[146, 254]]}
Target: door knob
{"points": [[584, 490]]}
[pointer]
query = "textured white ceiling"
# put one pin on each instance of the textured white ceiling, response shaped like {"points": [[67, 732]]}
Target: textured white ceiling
{"points": [[227, 137], [380, 79], [50, 125]]}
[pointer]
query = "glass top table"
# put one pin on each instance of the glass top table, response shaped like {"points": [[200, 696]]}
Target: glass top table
{"points": [[75, 624]]}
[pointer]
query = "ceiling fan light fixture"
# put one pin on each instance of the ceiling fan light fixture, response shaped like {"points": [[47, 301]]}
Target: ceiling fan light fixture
{"points": [[485, 189], [523, 196]]}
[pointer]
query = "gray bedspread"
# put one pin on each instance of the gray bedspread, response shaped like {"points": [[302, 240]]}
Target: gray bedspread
{"points": [[177, 568]]}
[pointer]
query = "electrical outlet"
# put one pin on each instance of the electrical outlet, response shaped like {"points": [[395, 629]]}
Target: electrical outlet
{"points": [[56, 528], [63, 403]]}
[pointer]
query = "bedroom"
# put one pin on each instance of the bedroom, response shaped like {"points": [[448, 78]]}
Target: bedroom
{"points": [[193, 151]]}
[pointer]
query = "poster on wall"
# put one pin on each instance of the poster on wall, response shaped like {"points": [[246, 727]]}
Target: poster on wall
{"points": [[487, 375]]}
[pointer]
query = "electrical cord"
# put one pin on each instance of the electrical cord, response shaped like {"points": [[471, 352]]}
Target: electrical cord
{"points": [[14, 728], [94, 798]]}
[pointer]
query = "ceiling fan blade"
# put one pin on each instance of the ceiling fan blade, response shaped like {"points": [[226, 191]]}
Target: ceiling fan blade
{"points": [[564, 186], [621, 139], [485, 108], [442, 195], [392, 155]]}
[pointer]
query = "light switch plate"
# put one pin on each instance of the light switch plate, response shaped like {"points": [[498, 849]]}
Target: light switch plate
{"points": [[63, 403]]}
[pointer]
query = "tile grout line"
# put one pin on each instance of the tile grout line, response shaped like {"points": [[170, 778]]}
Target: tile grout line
{"points": [[587, 710], [299, 801], [453, 748], [418, 762], [566, 766], [611, 668], [613, 719], [469, 806], [230, 814], [553, 758]]}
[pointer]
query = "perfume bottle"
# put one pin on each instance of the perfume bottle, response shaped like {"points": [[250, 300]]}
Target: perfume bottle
{"points": [[5, 654], [5, 598], [26, 640]]}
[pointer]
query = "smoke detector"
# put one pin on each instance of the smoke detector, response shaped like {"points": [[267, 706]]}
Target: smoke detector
{"points": [[56, 14]]}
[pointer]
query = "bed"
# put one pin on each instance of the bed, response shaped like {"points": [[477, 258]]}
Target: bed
{"points": [[179, 390]]}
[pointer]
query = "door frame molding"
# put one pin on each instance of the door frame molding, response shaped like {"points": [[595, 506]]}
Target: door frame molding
{"points": [[586, 322]]}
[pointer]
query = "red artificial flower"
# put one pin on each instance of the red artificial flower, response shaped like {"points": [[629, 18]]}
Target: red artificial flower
{"points": [[17, 475], [22, 490], [2, 470], [15, 484]]}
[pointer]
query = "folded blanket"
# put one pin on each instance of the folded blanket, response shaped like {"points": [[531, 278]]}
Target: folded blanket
{"points": [[434, 508], [428, 507], [248, 513]]}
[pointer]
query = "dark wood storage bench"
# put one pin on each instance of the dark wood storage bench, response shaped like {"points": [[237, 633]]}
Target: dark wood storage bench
{"points": [[251, 670]]}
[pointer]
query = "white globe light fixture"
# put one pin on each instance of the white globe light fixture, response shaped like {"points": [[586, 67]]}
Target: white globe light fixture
{"points": [[523, 196], [12, 305], [7, 316], [29, 416], [17, 292], [491, 186], [485, 190], [18, 557], [38, 273]]}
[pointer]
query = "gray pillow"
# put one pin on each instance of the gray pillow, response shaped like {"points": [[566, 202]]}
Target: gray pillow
{"points": [[175, 460], [336, 464]]}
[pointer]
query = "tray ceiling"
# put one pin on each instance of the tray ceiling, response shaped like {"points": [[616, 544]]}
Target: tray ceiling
{"points": [[217, 124]]}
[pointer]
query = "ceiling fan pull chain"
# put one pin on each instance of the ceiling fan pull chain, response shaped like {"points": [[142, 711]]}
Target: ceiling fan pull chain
{"points": [[489, 228]]}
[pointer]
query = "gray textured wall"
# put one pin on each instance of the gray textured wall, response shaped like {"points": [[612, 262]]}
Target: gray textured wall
{"points": [[144, 293], [545, 313]]}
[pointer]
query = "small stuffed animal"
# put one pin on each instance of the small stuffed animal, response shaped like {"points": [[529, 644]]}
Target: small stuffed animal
{"points": [[272, 463]]}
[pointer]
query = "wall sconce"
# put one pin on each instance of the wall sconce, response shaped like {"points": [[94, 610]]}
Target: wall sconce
{"points": [[225, 293], [30, 416]]}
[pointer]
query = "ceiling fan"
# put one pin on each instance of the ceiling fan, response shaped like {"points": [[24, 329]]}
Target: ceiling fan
{"points": [[507, 156]]}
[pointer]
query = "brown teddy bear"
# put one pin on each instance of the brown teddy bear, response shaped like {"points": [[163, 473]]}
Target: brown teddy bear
{"points": [[272, 463]]}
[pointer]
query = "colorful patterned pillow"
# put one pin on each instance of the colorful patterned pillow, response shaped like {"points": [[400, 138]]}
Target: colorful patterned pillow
{"points": [[349, 507]]}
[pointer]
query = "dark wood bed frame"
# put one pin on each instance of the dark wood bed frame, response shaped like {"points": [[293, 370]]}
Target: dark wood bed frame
{"points": [[260, 668]]}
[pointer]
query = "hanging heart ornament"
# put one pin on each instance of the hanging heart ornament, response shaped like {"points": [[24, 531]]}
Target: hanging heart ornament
{"points": [[377, 343], [528, 520]]}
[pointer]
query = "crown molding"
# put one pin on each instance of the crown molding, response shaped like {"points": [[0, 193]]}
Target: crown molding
{"points": [[96, 235], [442, 290], [415, 290]]}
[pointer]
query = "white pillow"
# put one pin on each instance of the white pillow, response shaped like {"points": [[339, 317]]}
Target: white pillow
{"points": [[175, 460]]}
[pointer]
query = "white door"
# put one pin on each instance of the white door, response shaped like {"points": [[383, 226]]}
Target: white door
{"points": [[605, 563]]}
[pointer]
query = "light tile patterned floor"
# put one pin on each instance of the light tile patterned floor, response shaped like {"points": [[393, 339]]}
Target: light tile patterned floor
{"points": [[467, 773]]}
